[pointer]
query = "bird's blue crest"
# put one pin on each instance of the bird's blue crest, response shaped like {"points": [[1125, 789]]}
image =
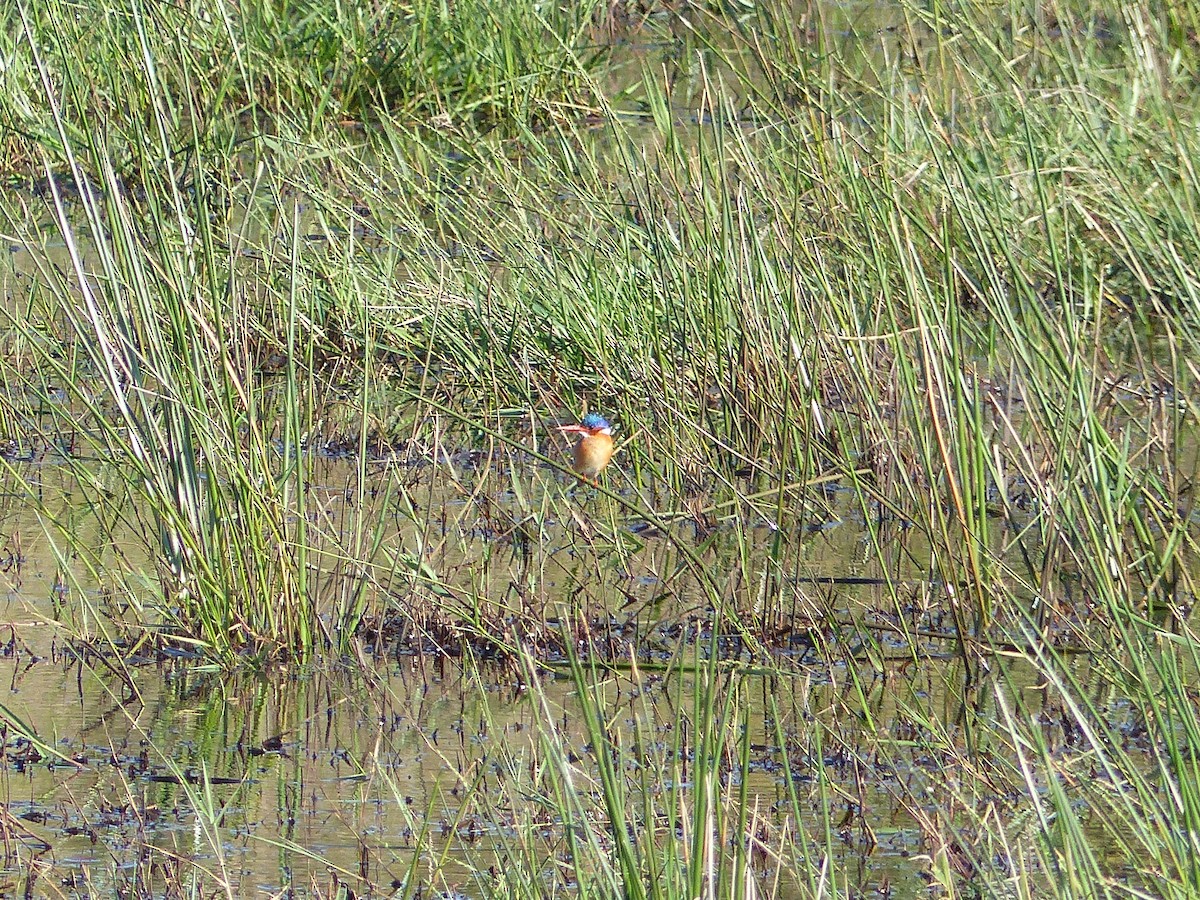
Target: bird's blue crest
{"points": [[595, 422]]}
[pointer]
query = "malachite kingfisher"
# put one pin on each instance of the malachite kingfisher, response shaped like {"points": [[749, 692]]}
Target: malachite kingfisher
{"points": [[594, 448]]}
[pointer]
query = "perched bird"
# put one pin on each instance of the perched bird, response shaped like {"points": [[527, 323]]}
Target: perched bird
{"points": [[594, 448]]}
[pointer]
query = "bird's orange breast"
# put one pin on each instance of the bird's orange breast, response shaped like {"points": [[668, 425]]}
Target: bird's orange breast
{"points": [[592, 454]]}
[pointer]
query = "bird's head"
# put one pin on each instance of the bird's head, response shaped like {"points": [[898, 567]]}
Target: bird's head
{"points": [[591, 424]]}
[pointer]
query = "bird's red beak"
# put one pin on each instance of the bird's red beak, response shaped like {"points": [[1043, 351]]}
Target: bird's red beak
{"points": [[574, 429]]}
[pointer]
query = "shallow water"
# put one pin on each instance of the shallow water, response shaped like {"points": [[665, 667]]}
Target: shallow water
{"points": [[369, 779], [405, 771]]}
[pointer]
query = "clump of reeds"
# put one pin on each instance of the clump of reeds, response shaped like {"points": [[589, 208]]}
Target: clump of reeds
{"points": [[930, 281]]}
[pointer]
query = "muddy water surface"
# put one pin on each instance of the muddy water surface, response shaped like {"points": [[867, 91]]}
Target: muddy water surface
{"points": [[402, 767]]}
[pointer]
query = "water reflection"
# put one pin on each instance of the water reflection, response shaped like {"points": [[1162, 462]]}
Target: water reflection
{"points": [[423, 770]]}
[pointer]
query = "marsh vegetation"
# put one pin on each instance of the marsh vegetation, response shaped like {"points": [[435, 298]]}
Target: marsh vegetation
{"points": [[888, 591]]}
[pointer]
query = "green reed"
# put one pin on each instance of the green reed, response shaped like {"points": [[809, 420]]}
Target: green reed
{"points": [[930, 274]]}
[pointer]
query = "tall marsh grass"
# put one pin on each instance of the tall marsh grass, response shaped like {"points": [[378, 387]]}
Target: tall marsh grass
{"points": [[924, 271]]}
